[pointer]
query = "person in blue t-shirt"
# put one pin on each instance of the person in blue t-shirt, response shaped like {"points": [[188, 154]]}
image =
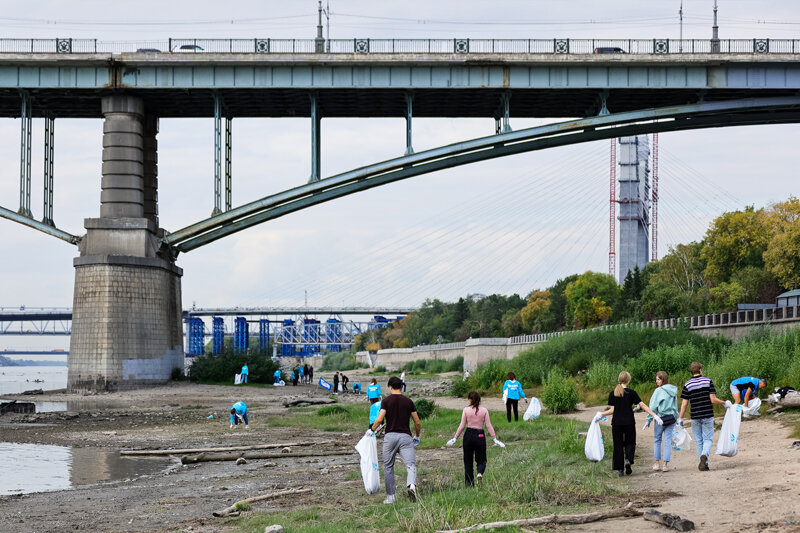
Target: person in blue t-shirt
{"points": [[374, 392], [744, 389], [239, 412], [277, 376], [244, 373], [512, 390], [374, 409]]}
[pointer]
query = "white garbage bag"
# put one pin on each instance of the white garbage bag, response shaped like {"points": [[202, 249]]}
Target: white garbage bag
{"points": [[533, 411], [367, 448], [728, 443], [681, 439], [505, 396], [594, 443], [237, 379], [752, 408]]}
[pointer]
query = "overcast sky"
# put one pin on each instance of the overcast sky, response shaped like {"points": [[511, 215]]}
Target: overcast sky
{"points": [[509, 225]]}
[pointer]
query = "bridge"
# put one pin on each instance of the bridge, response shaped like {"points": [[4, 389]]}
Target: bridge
{"points": [[126, 327]]}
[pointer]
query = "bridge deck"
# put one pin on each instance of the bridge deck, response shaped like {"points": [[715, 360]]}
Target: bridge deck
{"points": [[375, 85]]}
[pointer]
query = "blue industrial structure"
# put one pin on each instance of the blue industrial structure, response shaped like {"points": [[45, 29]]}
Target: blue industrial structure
{"points": [[263, 335], [241, 337], [195, 337], [218, 335]]}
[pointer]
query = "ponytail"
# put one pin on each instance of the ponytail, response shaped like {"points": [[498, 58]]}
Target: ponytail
{"points": [[624, 379]]}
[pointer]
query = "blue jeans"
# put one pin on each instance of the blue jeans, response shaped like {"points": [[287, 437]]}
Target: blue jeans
{"points": [[244, 378], [703, 433], [666, 432]]}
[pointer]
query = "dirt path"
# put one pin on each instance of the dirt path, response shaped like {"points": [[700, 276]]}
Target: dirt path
{"points": [[757, 490]]}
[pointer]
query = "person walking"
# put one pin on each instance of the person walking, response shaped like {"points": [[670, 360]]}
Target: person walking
{"points": [[301, 371], [623, 426], [294, 377], [512, 390], [336, 383], [699, 392], [403, 379], [310, 374], [398, 410], [374, 391], [664, 403], [345, 380], [244, 372], [745, 389], [239, 412], [474, 418]]}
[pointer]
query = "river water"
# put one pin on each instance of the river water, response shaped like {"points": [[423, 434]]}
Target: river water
{"points": [[17, 379], [40, 468], [30, 468]]}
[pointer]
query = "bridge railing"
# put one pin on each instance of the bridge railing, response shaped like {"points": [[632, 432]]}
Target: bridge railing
{"points": [[406, 46]]}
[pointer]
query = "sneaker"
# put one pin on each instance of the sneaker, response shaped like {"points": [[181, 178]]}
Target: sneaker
{"points": [[665, 467], [479, 480], [412, 492], [621, 473], [247, 427], [389, 499], [628, 469], [656, 466], [703, 466]]}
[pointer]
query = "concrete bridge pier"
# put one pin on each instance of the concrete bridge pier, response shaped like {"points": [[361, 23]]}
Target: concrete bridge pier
{"points": [[126, 323]]}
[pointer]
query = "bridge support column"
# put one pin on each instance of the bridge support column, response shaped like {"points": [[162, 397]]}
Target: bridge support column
{"points": [[126, 322]]}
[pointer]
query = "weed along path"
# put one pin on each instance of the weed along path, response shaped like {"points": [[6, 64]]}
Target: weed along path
{"points": [[757, 490]]}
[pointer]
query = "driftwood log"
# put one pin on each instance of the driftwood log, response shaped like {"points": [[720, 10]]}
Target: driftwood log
{"points": [[222, 449], [627, 511], [792, 399], [296, 402], [670, 520], [232, 509], [207, 457]]}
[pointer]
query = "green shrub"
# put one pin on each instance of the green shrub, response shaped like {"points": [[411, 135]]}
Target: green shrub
{"points": [[338, 361], [460, 387], [602, 375], [223, 367], [670, 359], [380, 369], [330, 410], [560, 392], [425, 408]]}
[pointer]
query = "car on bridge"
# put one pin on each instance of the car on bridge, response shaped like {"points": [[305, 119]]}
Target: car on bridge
{"points": [[609, 50], [188, 48]]}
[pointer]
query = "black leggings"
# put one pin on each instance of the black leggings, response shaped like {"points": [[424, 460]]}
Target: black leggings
{"points": [[624, 438], [474, 444], [509, 404]]}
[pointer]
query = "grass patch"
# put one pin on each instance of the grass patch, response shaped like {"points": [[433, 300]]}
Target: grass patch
{"points": [[542, 470]]}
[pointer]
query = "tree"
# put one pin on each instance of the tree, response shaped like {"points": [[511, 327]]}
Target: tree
{"points": [[735, 240], [662, 299], [512, 323], [538, 304], [725, 297], [782, 256], [683, 267], [588, 296]]}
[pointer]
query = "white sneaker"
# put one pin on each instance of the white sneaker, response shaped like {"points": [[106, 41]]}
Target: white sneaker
{"points": [[389, 499], [412, 492], [247, 427]]}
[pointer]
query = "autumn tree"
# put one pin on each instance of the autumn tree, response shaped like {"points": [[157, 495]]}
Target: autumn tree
{"points": [[589, 299], [538, 304], [734, 241], [782, 256]]}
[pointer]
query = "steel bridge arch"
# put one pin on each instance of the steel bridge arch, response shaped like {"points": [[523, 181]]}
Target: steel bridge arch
{"points": [[751, 111]]}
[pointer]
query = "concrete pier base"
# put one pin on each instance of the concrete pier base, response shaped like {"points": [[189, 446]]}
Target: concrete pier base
{"points": [[126, 323]]}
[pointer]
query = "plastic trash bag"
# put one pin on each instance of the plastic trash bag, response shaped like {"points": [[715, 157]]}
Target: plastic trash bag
{"points": [[681, 440], [367, 448], [752, 408], [594, 442], [533, 411], [728, 443], [505, 396], [237, 379]]}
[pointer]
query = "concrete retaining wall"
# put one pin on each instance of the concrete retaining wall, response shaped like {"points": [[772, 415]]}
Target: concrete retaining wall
{"points": [[477, 352]]}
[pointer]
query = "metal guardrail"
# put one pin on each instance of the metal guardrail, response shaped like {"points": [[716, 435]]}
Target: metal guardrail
{"points": [[405, 46]]}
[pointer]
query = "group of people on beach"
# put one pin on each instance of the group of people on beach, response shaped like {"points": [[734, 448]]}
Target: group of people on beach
{"points": [[698, 393]]}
